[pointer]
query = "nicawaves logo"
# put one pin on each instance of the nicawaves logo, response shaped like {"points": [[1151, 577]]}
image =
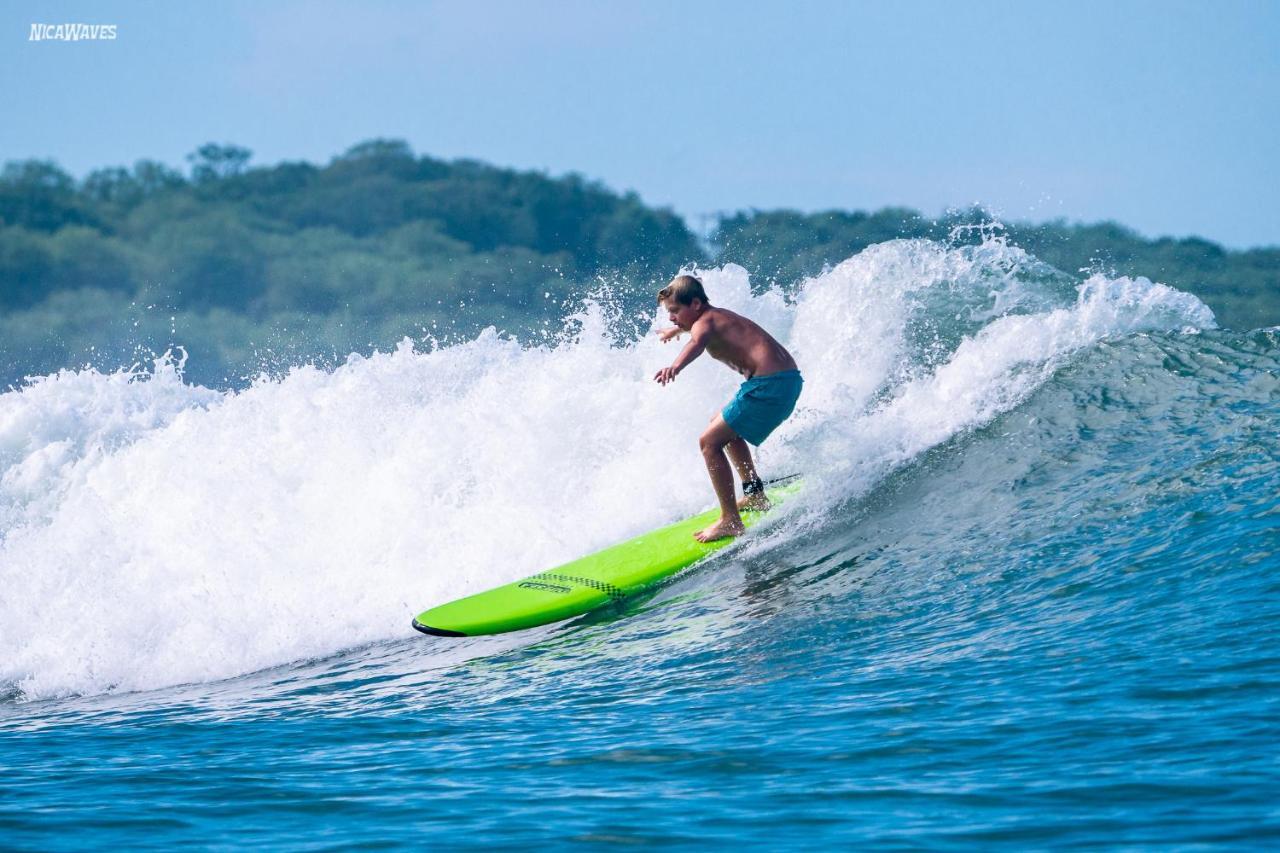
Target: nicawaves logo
{"points": [[72, 32]]}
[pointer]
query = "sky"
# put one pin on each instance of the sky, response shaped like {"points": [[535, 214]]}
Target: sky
{"points": [[1164, 116]]}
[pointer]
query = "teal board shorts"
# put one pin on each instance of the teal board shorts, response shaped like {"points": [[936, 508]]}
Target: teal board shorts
{"points": [[762, 403]]}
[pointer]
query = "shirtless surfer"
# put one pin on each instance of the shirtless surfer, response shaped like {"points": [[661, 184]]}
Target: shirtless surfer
{"points": [[765, 399]]}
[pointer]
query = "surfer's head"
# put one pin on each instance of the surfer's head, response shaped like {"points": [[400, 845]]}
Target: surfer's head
{"points": [[684, 299]]}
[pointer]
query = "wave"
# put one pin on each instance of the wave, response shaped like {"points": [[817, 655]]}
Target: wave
{"points": [[154, 533]]}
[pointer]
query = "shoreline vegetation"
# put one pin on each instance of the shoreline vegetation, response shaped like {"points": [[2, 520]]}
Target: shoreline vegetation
{"points": [[255, 269]]}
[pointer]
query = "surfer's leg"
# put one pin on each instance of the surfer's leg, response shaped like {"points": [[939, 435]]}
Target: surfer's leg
{"points": [[713, 443], [740, 455]]}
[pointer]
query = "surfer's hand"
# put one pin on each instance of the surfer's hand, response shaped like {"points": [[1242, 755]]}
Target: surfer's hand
{"points": [[665, 375], [667, 334]]}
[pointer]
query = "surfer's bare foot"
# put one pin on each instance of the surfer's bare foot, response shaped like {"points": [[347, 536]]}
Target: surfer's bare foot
{"points": [[755, 503], [720, 530]]}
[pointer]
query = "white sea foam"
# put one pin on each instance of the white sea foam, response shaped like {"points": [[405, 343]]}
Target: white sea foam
{"points": [[155, 533]]}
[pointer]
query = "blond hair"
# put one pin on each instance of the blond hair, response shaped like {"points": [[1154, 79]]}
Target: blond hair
{"points": [[684, 289]]}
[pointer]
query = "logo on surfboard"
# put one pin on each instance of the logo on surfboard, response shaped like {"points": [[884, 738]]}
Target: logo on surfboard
{"points": [[544, 587]]}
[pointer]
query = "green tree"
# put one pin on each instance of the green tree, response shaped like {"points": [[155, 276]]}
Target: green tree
{"points": [[36, 194], [212, 162]]}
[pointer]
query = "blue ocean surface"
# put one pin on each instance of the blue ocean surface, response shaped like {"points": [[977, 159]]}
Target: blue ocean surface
{"points": [[1028, 599]]}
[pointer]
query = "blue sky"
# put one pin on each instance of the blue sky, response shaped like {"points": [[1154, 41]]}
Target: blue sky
{"points": [[1162, 115]]}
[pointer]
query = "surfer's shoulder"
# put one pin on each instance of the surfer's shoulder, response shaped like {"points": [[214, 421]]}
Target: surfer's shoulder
{"points": [[722, 317], [707, 323]]}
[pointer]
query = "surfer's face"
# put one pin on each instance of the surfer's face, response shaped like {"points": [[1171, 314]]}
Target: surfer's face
{"points": [[683, 315]]}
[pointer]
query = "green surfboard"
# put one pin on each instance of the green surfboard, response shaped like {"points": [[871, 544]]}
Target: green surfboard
{"points": [[587, 583]]}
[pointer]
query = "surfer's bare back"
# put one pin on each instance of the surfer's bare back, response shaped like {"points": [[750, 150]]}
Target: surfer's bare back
{"points": [[765, 399]]}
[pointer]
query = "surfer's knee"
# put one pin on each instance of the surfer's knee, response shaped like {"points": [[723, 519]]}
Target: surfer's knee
{"points": [[712, 441]]}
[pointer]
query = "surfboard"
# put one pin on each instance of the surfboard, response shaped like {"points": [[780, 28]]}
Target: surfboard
{"points": [[590, 582]]}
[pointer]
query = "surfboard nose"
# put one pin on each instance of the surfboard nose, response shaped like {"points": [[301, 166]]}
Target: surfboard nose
{"points": [[436, 632]]}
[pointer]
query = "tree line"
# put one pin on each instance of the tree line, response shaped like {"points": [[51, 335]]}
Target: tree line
{"points": [[256, 268]]}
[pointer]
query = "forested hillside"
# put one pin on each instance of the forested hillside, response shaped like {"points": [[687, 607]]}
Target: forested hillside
{"points": [[257, 268]]}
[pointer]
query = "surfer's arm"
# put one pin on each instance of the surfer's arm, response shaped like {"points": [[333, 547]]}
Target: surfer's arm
{"points": [[700, 334], [665, 335]]}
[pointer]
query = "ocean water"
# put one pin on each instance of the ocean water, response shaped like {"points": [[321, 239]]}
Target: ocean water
{"points": [[1028, 599]]}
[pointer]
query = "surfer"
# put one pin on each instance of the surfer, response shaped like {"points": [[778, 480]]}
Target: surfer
{"points": [[764, 400]]}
